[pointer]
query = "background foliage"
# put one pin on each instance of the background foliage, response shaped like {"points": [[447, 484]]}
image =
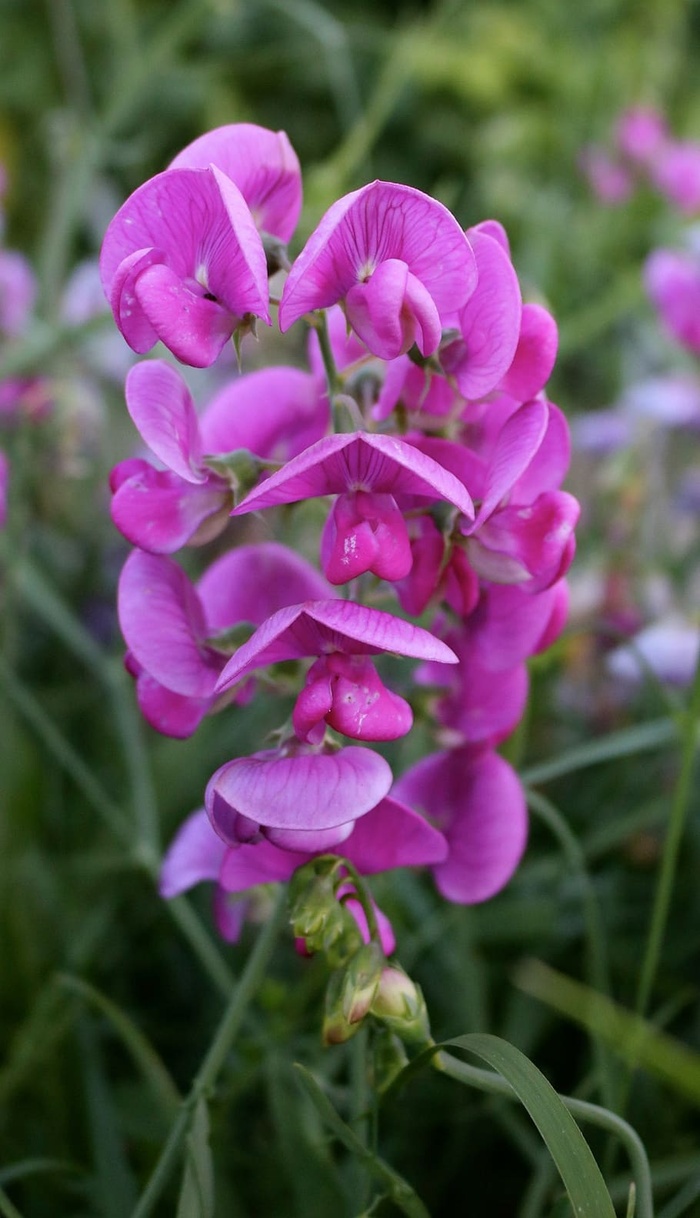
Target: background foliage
{"points": [[108, 998]]}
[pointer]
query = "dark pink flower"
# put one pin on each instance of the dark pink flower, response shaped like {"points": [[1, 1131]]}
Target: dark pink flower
{"points": [[396, 258], [342, 688], [170, 627], [610, 180], [475, 797], [183, 262], [17, 293], [676, 172], [273, 413], [640, 134], [672, 280], [366, 530]]}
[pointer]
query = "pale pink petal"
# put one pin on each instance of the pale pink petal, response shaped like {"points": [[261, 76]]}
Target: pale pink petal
{"points": [[195, 854], [263, 165], [274, 412], [477, 799], [359, 461], [489, 322], [320, 627], [161, 406], [157, 511], [162, 622], [535, 354], [305, 791]]}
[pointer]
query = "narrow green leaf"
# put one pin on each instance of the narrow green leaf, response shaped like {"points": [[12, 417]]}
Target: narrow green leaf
{"points": [[197, 1195], [630, 740], [400, 1191], [634, 1038], [566, 1144], [144, 1055]]}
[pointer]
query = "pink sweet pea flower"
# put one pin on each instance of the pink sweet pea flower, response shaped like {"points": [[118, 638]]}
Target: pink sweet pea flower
{"points": [[261, 163], [640, 134], [388, 836], [676, 172], [366, 530], [476, 799], [273, 413], [396, 258], [342, 688], [170, 627], [183, 262], [672, 280], [610, 180], [299, 797]]}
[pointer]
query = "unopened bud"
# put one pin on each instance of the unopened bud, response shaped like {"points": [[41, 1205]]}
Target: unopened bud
{"points": [[360, 981], [400, 1005], [318, 918], [336, 1028]]}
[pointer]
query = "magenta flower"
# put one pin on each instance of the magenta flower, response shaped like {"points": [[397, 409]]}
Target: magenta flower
{"points": [[672, 279], [183, 262], [676, 172], [342, 688], [476, 799], [388, 836], [261, 163], [640, 134], [273, 413], [397, 260], [366, 530], [610, 180], [170, 627], [300, 796]]}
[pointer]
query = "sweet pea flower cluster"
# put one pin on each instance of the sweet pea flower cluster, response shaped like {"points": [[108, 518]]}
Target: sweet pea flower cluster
{"points": [[423, 425], [643, 151]]}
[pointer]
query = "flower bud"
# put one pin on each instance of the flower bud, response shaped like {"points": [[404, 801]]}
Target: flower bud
{"points": [[360, 981], [400, 1005], [336, 1028]]}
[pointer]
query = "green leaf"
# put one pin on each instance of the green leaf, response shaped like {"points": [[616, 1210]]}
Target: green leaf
{"points": [[634, 1038], [566, 1144], [402, 1194], [197, 1194]]}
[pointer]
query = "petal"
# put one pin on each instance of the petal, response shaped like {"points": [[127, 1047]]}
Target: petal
{"points": [[391, 310], [393, 835], [195, 854], [252, 582], [162, 622], [381, 221], [365, 531], [535, 354], [195, 329], [161, 406], [362, 707], [320, 627], [479, 800], [274, 412], [263, 165], [157, 511], [533, 543], [359, 461], [171, 714], [518, 441], [548, 467], [489, 322], [127, 309], [306, 791]]}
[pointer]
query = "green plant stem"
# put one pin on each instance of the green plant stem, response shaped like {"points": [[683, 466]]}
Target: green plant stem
{"points": [[669, 862], [625, 743], [486, 1080], [7, 1209], [215, 1058], [596, 953]]}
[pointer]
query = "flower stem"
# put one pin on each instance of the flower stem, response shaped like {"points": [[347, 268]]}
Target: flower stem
{"points": [[669, 862], [215, 1058]]}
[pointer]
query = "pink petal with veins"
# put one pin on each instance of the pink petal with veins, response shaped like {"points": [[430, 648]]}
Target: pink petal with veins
{"points": [[161, 406]]}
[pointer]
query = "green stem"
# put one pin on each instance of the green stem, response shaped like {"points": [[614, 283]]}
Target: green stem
{"points": [[595, 933], [7, 1209], [485, 1080], [625, 743], [215, 1058], [669, 862]]}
